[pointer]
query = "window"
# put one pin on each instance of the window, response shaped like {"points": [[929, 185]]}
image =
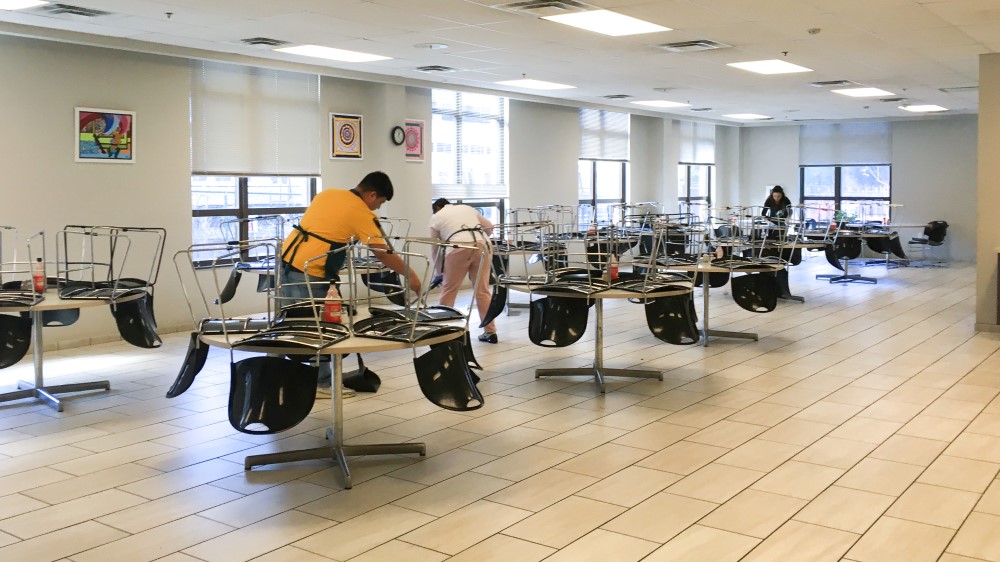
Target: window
{"points": [[221, 206], [695, 183], [696, 163], [469, 145], [863, 192], [603, 167]]}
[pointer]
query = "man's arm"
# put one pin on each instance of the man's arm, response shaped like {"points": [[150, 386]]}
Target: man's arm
{"points": [[396, 263]]}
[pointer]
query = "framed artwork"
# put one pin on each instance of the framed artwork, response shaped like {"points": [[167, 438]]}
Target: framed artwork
{"points": [[414, 143], [105, 135], [345, 136]]}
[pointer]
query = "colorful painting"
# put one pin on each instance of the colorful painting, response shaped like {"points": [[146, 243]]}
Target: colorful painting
{"points": [[105, 135], [345, 136], [414, 142]]}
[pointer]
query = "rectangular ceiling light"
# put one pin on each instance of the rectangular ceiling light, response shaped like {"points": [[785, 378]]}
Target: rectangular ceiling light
{"points": [[535, 84], [20, 4], [747, 116], [607, 22], [773, 66], [863, 92], [662, 103], [923, 108], [331, 53]]}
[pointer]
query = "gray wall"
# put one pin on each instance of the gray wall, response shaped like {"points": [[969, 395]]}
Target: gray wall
{"points": [[988, 193], [544, 149], [769, 156]]}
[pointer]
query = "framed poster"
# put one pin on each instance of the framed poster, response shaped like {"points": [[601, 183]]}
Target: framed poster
{"points": [[414, 143], [104, 135], [345, 136]]}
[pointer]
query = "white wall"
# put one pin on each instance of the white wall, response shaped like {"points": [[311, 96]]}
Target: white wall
{"points": [[769, 156], [987, 198], [544, 150], [728, 163], [647, 158]]}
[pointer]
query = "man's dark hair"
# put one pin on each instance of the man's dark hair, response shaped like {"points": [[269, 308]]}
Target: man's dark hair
{"points": [[378, 182], [440, 204]]}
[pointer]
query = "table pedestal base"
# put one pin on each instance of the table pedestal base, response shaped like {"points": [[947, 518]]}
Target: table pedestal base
{"points": [[598, 373], [784, 291], [335, 452], [47, 393], [728, 334], [852, 278]]}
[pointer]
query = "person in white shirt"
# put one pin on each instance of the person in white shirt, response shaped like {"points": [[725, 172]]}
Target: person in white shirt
{"points": [[452, 223]]}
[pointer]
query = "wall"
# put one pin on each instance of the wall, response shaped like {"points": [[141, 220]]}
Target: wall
{"points": [[988, 193], [728, 163], [543, 163], [647, 160], [769, 156]]}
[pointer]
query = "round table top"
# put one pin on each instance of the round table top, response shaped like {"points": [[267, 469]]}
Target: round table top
{"points": [[709, 268], [605, 294], [53, 301]]}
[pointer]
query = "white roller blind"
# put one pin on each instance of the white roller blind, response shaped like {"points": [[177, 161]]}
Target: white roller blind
{"points": [[247, 120], [697, 142], [845, 143], [603, 134]]}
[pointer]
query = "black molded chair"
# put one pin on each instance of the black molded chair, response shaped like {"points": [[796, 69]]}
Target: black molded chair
{"points": [[934, 234], [270, 394]]}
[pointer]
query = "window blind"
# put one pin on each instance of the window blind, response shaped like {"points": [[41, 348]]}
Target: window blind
{"points": [[845, 143], [603, 134], [469, 145], [697, 142], [255, 121]]}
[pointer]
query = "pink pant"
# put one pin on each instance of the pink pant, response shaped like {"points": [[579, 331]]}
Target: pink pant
{"points": [[459, 262]]}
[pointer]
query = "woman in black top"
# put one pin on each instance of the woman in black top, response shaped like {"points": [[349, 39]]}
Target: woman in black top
{"points": [[777, 204]]}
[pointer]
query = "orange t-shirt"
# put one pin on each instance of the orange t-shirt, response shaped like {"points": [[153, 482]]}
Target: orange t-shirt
{"points": [[335, 214]]}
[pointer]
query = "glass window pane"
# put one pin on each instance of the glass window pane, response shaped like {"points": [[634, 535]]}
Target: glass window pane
{"points": [[605, 212], [481, 152], [444, 139], [214, 192], [608, 180], [682, 181], [700, 181], [864, 181], [444, 100], [206, 230], [585, 181], [818, 181], [818, 210], [270, 192]]}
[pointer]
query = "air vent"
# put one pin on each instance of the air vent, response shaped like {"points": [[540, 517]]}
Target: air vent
{"points": [[959, 89], [892, 100], [617, 96], [435, 68], [832, 84], [693, 46], [544, 8], [700, 109], [264, 42], [67, 10]]}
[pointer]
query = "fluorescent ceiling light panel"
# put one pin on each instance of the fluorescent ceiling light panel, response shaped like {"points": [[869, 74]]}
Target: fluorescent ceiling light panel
{"points": [[863, 92], [923, 108], [535, 84], [331, 53], [20, 4], [747, 116], [661, 103], [607, 22], [773, 66]]}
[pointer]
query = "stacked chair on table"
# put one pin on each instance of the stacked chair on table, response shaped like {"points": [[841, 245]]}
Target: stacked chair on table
{"points": [[18, 291]]}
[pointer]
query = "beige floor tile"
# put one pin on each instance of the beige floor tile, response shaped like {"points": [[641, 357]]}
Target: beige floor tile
{"points": [[798, 480], [934, 505], [292, 554], [798, 397], [501, 548], [604, 461], [802, 541], [868, 430], [61, 543], [758, 454], [828, 412], [524, 463], [915, 394], [67, 514], [856, 396], [977, 538], [583, 438], [675, 400], [753, 513], [79, 486], [699, 415], [975, 446], [716, 483], [684, 457], [990, 502], [182, 479], [442, 467], [736, 398], [112, 458], [954, 409], [546, 488], [631, 418], [168, 508], [601, 545], [398, 551], [444, 497], [764, 413], [158, 541], [564, 522], [461, 529], [838, 453], [544, 405], [797, 432], [985, 424], [897, 539], [932, 427], [16, 504], [971, 393], [266, 503], [845, 509], [727, 434], [704, 543], [496, 422], [959, 473], [948, 557], [655, 436], [362, 498], [881, 477], [889, 410], [660, 518], [28, 479], [564, 420], [362, 533], [909, 450], [508, 441], [629, 486]]}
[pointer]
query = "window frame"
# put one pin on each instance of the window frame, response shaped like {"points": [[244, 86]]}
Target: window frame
{"points": [[594, 201], [687, 198], [451, 190], [838, 198]]}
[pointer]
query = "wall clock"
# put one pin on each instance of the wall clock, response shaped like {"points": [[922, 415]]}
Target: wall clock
{"points": [[398, 135]]}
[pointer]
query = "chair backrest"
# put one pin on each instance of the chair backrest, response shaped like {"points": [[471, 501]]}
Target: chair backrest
{"points": [[935, 232]]}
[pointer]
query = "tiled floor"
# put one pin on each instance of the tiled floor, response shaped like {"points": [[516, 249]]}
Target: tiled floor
{"points": [[864, 426]]}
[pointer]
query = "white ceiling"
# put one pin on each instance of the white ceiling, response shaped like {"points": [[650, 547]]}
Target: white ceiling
{"points": [[912, 48]]}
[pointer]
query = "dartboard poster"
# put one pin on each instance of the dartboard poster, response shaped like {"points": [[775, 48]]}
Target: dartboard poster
{"points": [[345, 136], [105, 135], [414, 140]]}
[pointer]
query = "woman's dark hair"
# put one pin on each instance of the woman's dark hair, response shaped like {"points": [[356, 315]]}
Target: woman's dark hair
{"points": [[778, 189], [439, 204], [378, 182]]}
